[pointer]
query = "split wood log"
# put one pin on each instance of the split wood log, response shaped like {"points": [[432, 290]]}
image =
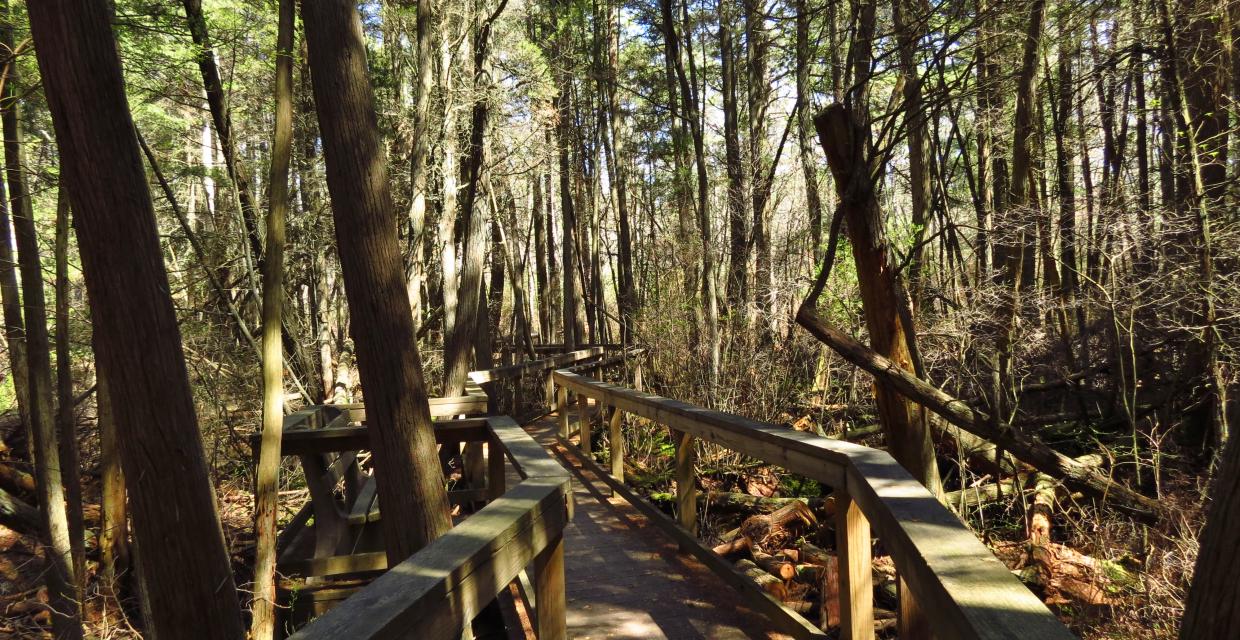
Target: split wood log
{"points": [[828, 592], [766, 581], [778, 566], [1085, 478], [18, 515], [776, 529]]}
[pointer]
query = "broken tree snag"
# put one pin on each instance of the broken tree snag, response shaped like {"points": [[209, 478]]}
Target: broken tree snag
{"points": [[1041, 510], [1082, 477], [907, 429]]}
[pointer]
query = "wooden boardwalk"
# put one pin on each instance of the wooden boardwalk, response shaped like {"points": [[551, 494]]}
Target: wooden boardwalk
{"points": [[626, 580]]}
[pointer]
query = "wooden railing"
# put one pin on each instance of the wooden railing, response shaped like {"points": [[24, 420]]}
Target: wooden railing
{"points": [[950, 585], [436, 592]]}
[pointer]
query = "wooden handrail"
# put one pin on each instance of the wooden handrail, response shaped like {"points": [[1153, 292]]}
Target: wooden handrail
{"points": [[954, 586], [543, 364], [437, 591]]}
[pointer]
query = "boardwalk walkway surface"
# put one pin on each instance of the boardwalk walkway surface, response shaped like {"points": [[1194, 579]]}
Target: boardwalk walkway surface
{"points": [[626, 580]]}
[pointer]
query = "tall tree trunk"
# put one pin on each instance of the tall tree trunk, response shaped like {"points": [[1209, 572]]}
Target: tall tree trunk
{"points": [[691, 115], [574, 325], [221, 117], [541, 275], [420, 145], [904, 422], [1212, 611], [184, 562], [738, 269], [457, 352], [61, 579], [267, 475], [627, 295], [415, 503], [805, 130], [114, 519], [909, 25], [66, 421], [759, 160]]}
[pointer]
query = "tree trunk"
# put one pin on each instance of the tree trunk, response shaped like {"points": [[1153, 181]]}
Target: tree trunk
{"points": [[114, 519], [738, 269], [63, 597], [691, 116], [415, 503], [267, 475], [906, 426], [66, 421], [805, 130], [909, 25], [184, 561], [221, 117], [1213, 608], [420, 145], [627, 294]]}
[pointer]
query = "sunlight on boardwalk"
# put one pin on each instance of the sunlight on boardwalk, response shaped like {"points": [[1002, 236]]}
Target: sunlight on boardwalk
{"points": [[625, 580]]}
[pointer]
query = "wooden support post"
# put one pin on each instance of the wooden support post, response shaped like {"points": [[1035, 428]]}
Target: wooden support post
{"points": [[561, 405], [637, 376], [475, 465], [616, 437], [912, 621], [583, 422], [852, 539], [549, 591], [549, 390], [495, 469], [686, 487]]}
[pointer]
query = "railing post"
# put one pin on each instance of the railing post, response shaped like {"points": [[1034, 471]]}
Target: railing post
{"points": [[686, 488], [912, 621], [495, 469], [583, 424], [550, 606], [637, 376], [852, 539], [561, 406], [617, 444], [549, 390]]}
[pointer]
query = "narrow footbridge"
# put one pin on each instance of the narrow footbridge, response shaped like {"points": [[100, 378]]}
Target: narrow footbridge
{"points": [[549, 543]]}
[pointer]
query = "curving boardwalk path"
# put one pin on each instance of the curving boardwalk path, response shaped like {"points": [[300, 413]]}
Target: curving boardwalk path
{"points": [[626, 580]]}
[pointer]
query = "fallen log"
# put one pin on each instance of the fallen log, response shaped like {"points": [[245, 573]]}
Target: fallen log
{"points": [[18, 515], [766, 581], [1084, 478], [777, 566], [736, 545], [731, 501], [812, 554]]}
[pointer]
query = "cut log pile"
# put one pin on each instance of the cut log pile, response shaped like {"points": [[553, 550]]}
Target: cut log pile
{"points": [[803, 576]]}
